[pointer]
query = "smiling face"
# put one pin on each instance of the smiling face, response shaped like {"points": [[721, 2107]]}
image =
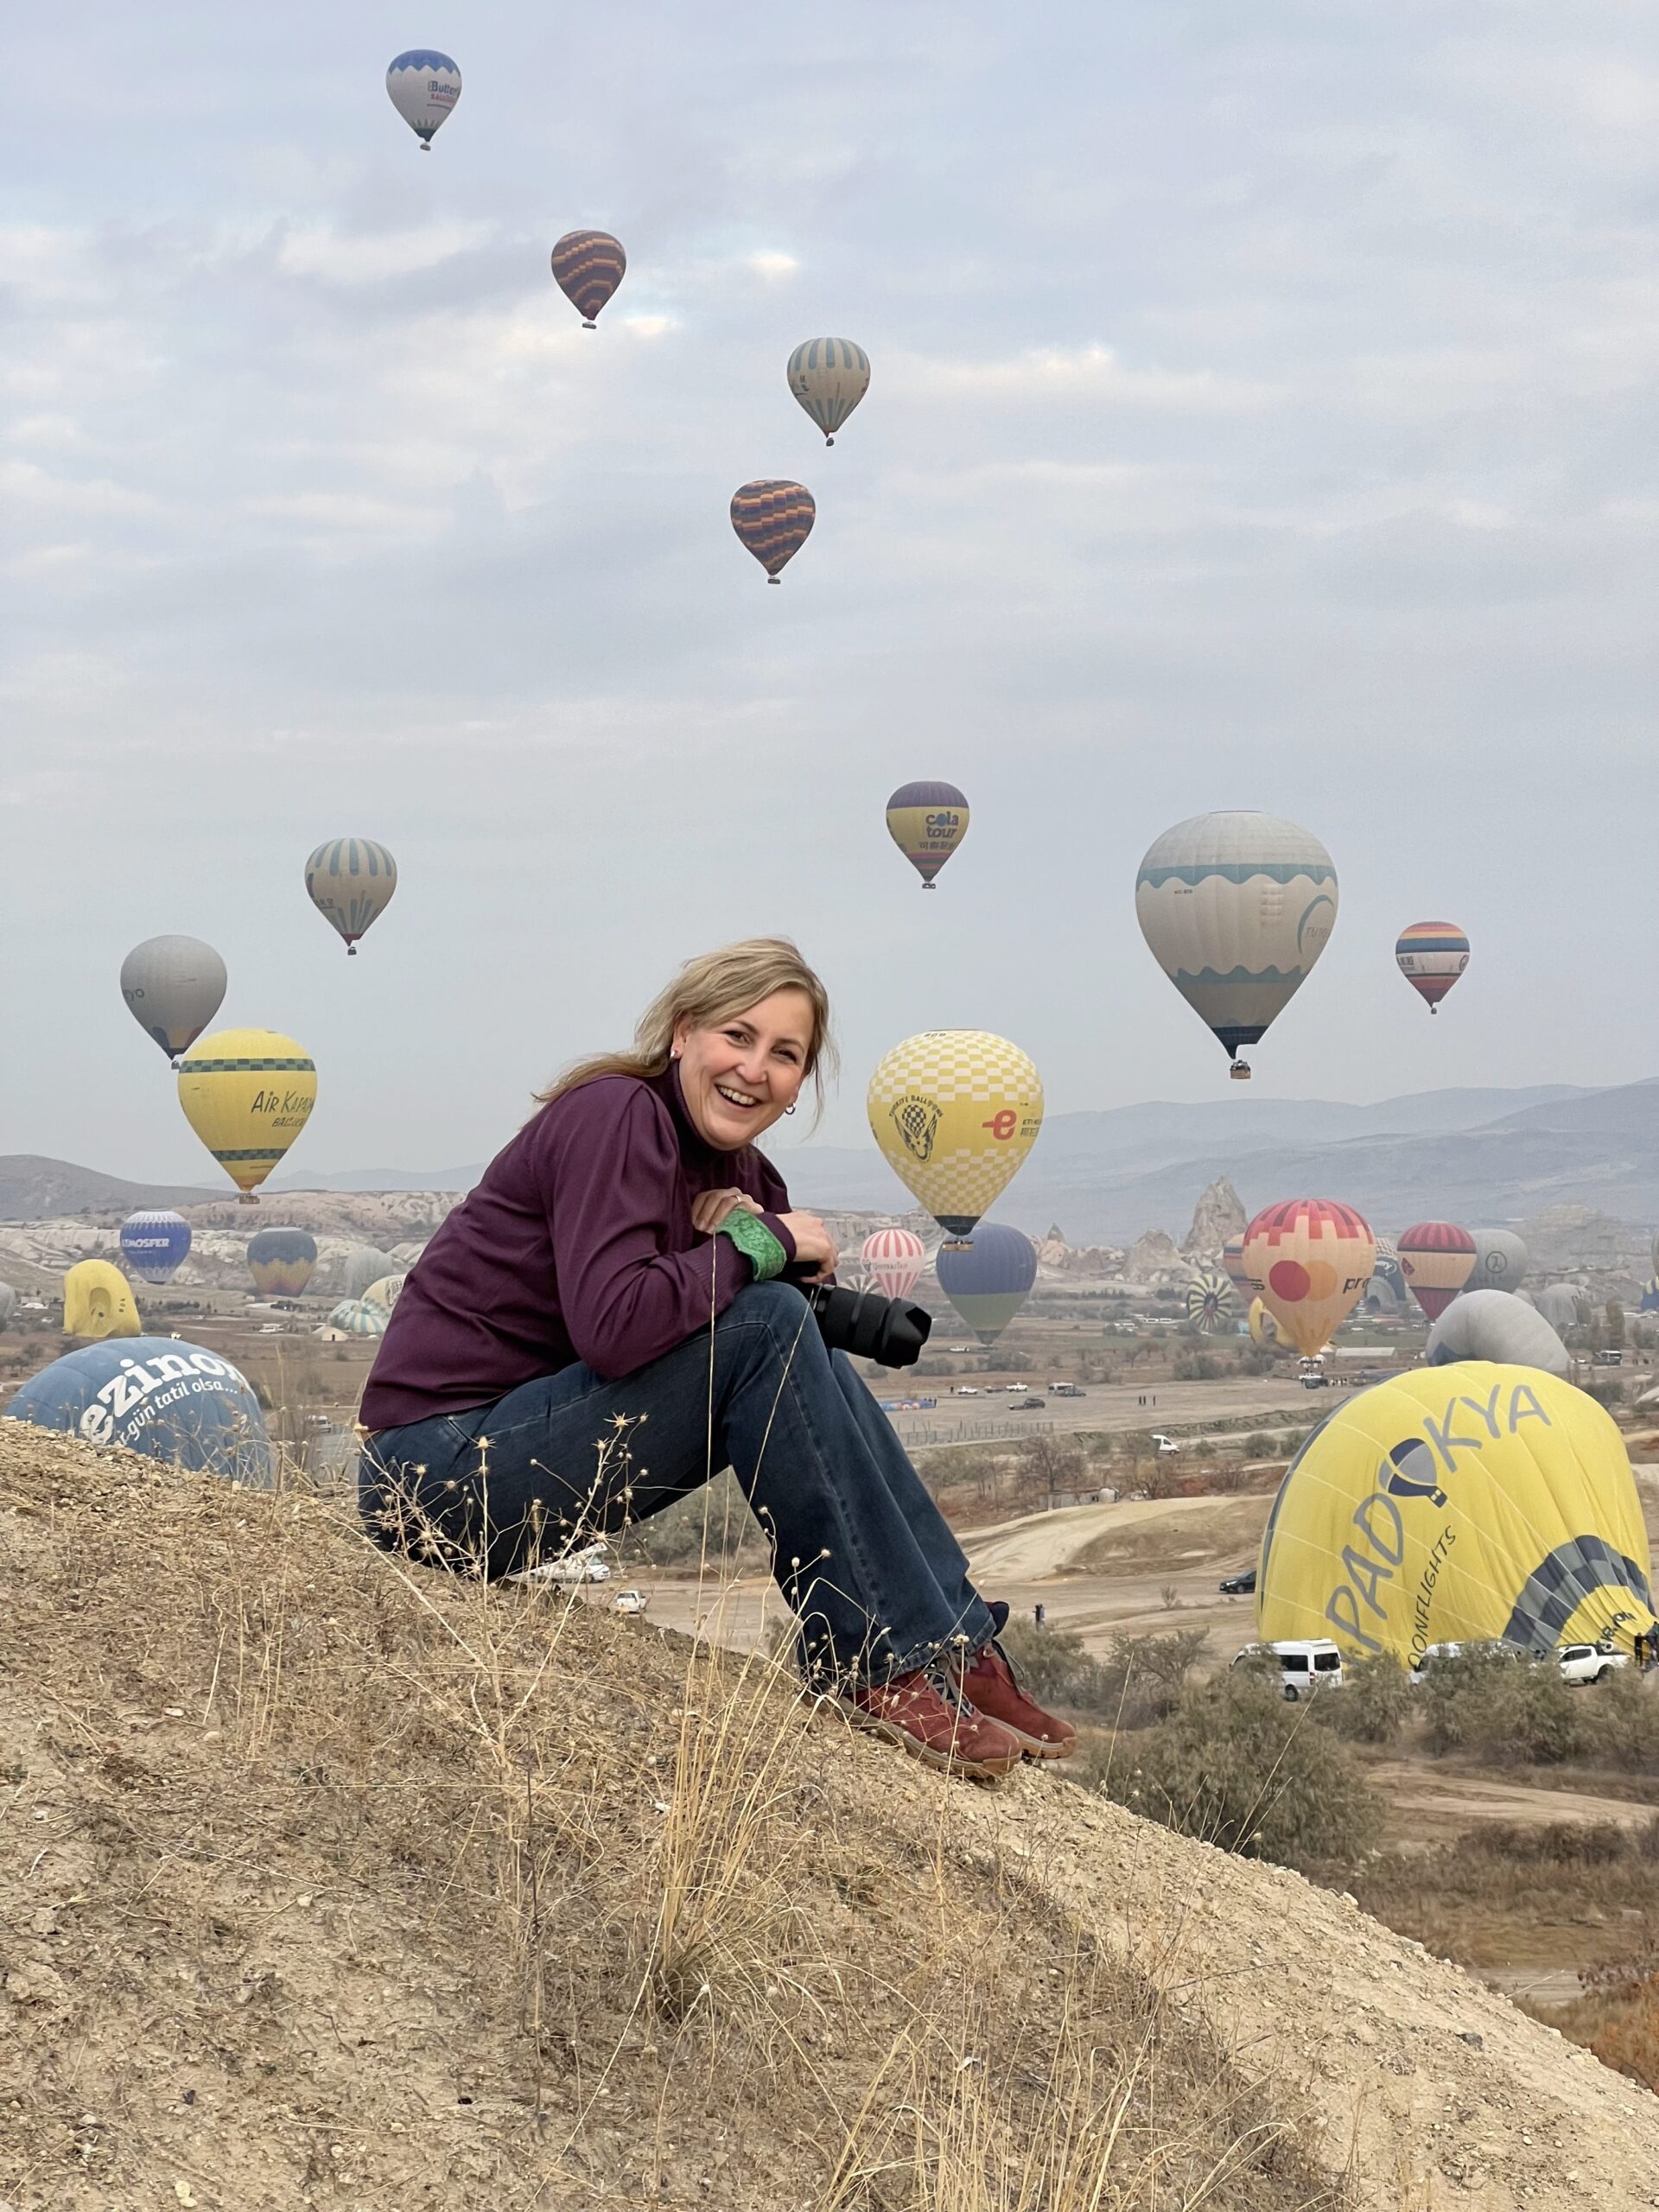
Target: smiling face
{"points": [[740, 1076]]}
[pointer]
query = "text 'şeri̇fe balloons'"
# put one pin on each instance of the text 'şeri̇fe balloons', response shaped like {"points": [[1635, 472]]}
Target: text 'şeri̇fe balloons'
{"points": [[1431, 956], [927, 822], [1468, 1503], [1313, 1258], [956, 1113], [1236, 908], [247, 1093]]}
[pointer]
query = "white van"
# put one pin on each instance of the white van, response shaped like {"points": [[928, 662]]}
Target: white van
{"points": [[1306, 1663]]}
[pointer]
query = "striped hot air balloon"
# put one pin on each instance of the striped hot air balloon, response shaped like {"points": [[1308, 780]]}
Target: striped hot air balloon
{"points": [[1208, 1301], [893, 1260], [1233, 1267], [1431, 957], [1437, 1259], [828, 377], [349, 881], [927, 822], [774, 519], [587, 266]]}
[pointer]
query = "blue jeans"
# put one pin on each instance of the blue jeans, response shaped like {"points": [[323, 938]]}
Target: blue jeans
{"points": [[863, 1555]]}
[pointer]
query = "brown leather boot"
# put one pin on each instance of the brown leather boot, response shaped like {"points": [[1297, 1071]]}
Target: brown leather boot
{"points": [[924, 1713], [991, 1686]]}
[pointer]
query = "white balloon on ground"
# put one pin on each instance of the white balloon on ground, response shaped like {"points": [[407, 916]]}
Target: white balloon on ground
{"points": [[1559, 1303], [8, 1304], [1495, 1325]]}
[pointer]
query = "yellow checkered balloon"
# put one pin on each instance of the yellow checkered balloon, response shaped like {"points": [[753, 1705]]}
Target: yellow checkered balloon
{"points": [[955, 1112]]}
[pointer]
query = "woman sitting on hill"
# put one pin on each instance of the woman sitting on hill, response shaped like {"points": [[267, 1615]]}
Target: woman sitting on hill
{"points": [[610, 1317]]}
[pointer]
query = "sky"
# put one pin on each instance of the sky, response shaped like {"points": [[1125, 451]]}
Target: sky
{"points": [[1262, 414]]}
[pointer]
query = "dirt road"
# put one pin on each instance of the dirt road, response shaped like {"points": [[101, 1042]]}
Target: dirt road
{"points": [[1115, 1409]]}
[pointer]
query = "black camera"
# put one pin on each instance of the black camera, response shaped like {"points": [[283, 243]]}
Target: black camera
{"points": [[889, 1331]]}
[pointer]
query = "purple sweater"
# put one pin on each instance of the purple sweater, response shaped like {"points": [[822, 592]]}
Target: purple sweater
{"points": [[576, 1244]]}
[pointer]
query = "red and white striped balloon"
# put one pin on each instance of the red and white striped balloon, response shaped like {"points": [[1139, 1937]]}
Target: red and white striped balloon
{"points": [[893, 1259]]}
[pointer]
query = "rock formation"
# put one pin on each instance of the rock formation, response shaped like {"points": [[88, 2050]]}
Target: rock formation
{"points": [[1218, 1215]]}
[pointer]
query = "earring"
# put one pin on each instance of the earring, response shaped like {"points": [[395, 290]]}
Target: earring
{"points": [[789, 1110]]}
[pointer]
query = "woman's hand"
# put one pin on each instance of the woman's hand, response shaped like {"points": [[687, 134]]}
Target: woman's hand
{"points": [[710, 1208], [814, 1245]]}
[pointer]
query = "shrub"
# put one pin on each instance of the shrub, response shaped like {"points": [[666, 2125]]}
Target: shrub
{"points": [[1375, 1698], [1054, 1666], [1139, 1680], [1236, 1766], [1499, 1702], [1620, 1721]]}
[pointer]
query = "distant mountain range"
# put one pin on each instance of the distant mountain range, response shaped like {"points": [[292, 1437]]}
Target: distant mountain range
{"points": [[1481, 1156]]}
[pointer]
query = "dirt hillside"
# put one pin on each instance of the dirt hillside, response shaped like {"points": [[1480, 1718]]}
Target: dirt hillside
{"points": [[324, 1882]]}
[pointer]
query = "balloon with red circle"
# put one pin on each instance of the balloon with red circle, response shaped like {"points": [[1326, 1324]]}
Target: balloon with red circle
{"points": [[1311, 1258]]}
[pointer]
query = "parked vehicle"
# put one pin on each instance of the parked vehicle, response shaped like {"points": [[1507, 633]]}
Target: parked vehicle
{"points": [[630, 1601], [1306, 1663], [1610, 1356], [1164, 1444], [1238, 1585], [1590, 1662], [1027, 1405], [1065, 1390]]}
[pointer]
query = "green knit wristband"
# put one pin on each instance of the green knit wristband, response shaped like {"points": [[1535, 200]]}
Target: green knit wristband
{"points": [[756, 1241]]}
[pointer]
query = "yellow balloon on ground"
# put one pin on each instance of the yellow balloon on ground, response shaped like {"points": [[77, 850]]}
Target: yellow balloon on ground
{"points": [[955, 1112], [1459, 1504], [385, 1292], [97, 1301], [1264, 1330], [1312, 1259], [247, 1093]]}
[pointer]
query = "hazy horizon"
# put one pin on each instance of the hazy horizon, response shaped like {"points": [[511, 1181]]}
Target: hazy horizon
{"points": [[1262, 414]]}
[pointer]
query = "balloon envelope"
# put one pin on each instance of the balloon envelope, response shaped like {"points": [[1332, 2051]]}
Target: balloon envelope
{"points": [[1313, 1258], [893, 1259], [1236, 908], [955, 1112], [1386, 1290], [773, 518], [173, 986], [349, 881], [423, 86], [1500, 1260], [1210, 1301], [8, 1304], [1494, 1324], [247, 1093], [282, 1262], [385, 1292], [1560, 1306], [358, 1317], [828, 377], [988, 1276], [1458, 1505], [1437, 1259], [361, 1266], [927, 822], [1431, 957], [1233, 1267], [170, 1400], [97, 1301], [155, 1246], [1264, 1330], [587, 266], [1649, 1297]]}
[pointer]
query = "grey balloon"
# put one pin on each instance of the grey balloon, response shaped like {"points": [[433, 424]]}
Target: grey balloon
{"points": [[173, 986], [1500, 1260], [1558, 1304], [8, 1305], [1495, 1325], [361, 1266]]}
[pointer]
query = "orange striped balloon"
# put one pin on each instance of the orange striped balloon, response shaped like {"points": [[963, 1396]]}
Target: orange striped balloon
{"points": [[1431, 956], [587, 266], [773, 518]]}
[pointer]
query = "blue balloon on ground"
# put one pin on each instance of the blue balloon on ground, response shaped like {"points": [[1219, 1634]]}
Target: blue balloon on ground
{"points": [[171, 1400], [155, 1246], [988, 1276]]}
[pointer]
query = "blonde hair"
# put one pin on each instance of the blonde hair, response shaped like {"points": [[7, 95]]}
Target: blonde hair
{"points": [[707, 991]]}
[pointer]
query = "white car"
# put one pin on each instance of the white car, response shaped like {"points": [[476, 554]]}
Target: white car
{"points": [[1306, 1663], [630, 1601], [1165, 1445], [1590, 1662]]}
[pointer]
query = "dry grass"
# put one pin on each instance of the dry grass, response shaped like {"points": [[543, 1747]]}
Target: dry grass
{"points": [[326, 1878]]}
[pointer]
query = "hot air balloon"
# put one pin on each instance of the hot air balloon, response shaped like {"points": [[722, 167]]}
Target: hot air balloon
{"points": [[356, 1317], [155, 1246], [1495, 1325], [1236, 907], [1649, 1297], [773, 518], [1313, 1258], [173, 1401], [988, 1276], [349, 881], [1561, 1305], [423, 86], [892, 1259], [385, 1292], [1208, 1301], [955, 1112], [173, 986], [8, 1305], [1437, 1259], [587, 266], [1386, 1291], [927, 822], [1264, 1330], [1233, 1267], [282, 1262], [247, 1093], [829, 376], [1431, 957], [1653, 1251], [361, 1266], [1500, 1260], [97, 1301], [1458, 1505]]}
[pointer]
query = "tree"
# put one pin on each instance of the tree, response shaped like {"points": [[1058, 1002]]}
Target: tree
{"points": [[1615, 1314], [1053, 1462]]}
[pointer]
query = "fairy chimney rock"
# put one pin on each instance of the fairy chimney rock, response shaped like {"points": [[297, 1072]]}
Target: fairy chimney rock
{"points": [[1218, 1215]]}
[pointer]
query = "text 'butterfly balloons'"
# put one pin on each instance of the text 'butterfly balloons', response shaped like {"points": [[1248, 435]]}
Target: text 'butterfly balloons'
{"points": [[587, 266], [956, 1113], [774, 519], [423, 86]]}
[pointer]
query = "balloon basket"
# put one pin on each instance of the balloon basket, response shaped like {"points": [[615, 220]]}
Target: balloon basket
{"points": [[247, 1197], [829, 442], [774, 580], [1240, 1070], [588, 325], [351, 952]]}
